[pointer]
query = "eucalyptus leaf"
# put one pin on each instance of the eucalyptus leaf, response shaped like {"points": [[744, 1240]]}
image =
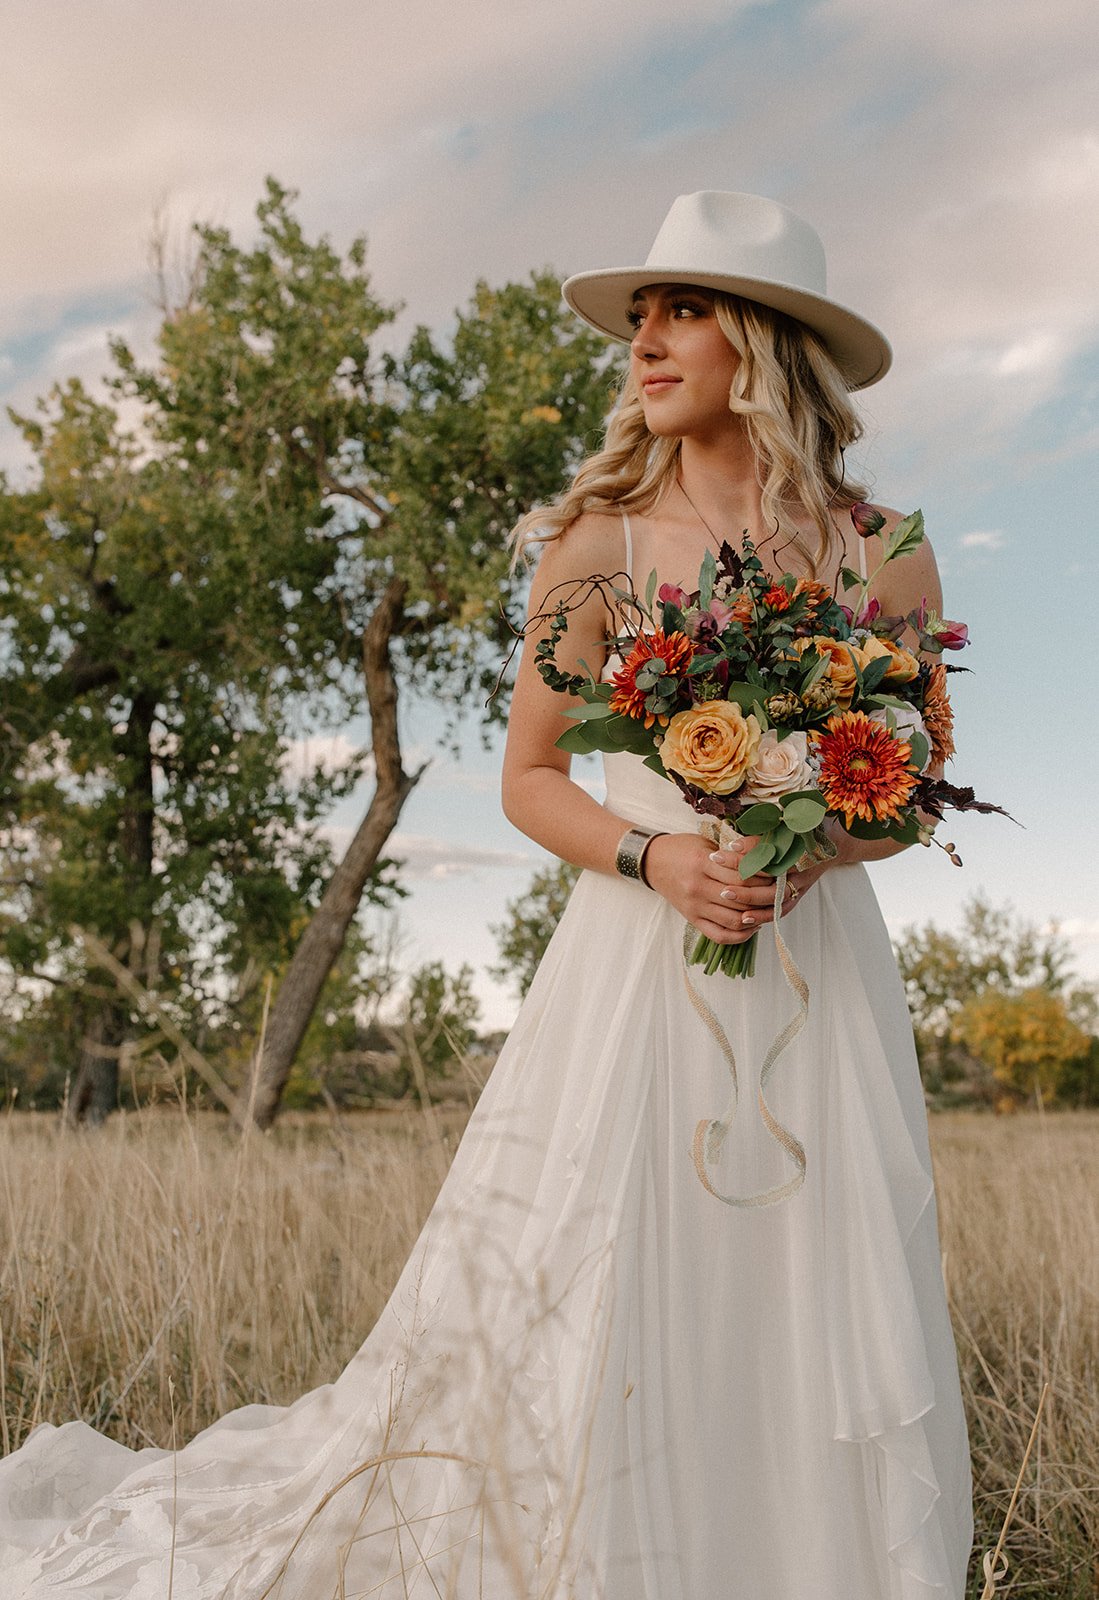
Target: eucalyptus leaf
{"points": [[592, 711], [920, 748], [789, 858], [782, 838], [746, 695], [760, 818], [650, 591], [757, 858], [576, 741], [802, 816], [707, 577]]}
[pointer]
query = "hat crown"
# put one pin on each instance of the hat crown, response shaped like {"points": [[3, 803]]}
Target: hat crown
{"points": [[745, 245], [720, 233]]}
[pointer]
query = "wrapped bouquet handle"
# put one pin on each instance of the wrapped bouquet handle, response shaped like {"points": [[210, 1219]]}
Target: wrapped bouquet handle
{"points": [[710, 1135]]}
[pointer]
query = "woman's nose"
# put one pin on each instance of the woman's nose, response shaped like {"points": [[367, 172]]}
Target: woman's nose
{"points": [[647, 340]]}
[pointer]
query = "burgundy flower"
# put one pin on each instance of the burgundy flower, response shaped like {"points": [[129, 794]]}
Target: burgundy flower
{"points": [[867, 521], [670, 594], [953, 635]]}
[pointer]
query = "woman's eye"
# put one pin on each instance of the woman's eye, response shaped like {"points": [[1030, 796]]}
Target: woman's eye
{"points": [[634, 318], [687, 308]]}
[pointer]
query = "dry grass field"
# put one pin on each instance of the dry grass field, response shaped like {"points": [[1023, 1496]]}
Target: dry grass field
{"points": [[162, 1248]]}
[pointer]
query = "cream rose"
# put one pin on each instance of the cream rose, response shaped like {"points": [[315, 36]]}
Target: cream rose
{"points": [[780, 767], [712, 745]]}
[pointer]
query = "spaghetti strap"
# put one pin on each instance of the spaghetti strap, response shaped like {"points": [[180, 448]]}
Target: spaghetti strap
{"points": [[628, 536], [862, 559]]}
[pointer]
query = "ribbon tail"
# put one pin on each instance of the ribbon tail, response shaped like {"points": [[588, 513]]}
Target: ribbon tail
{"points": [[710, 1134]]}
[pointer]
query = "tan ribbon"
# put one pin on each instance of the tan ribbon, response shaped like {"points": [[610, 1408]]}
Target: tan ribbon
{"points": [[710, 1135]]}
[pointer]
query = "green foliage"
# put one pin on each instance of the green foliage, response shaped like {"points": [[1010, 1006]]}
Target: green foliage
{"points": [[1026, 1039], [184, 599], [995, 954], [440, 1015], [531, 920], [488, 426]]}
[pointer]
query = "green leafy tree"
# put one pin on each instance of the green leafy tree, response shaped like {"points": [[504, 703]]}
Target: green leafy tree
{"points": [[297, 522], [531, 920], [992, 952], [152, 674], [1026, 1039]]}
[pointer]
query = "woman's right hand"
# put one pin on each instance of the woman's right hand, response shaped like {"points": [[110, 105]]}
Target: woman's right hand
{"points": [[704, 885]]}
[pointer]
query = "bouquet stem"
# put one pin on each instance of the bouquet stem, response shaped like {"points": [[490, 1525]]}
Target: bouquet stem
{"points": [[734, 960]]}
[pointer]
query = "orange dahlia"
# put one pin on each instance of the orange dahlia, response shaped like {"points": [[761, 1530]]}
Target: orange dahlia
{"points": [[778, 598], [938, 715], [864, 768], [676, 652], [819, 596]]}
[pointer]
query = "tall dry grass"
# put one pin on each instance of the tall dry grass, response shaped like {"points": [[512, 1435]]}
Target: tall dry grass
{"points": [[1019, 1227], [161, 1248]]}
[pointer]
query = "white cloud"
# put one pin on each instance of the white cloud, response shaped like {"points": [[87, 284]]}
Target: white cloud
{"points": [[982, 539], [332, 753], [425, 856]]}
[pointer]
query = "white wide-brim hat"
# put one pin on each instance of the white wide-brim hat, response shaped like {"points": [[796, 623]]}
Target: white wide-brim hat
{"points": [[748, 246]]}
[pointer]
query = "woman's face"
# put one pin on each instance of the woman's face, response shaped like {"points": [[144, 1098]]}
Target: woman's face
{"points": [[682, 363]]}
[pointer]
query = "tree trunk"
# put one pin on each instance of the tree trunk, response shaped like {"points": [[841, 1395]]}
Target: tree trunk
{"points": [[95, 1088], [323, 938]]}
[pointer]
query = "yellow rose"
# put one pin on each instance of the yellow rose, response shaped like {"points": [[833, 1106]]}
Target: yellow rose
{"points": [[904, 666], [712, 745], [841, 667]]}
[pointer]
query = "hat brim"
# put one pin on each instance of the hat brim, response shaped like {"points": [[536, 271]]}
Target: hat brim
{"points": [[860, 350]]}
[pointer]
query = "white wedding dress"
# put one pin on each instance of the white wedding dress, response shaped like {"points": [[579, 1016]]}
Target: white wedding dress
{"points": [[594, 1381]]}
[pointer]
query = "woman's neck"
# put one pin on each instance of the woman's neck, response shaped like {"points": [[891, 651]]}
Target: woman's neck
{"points": [[721, 483]]}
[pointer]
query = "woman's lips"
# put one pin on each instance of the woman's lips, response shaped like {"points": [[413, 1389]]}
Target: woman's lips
{"points": [[656, 385]]}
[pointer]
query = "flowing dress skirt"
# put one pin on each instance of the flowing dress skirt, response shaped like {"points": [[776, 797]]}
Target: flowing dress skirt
{"points": [[593, 1380]]}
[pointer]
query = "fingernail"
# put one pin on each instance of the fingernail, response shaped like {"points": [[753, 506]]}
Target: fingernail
{"points": [[747, 920], [726, 894], [716, 856]]}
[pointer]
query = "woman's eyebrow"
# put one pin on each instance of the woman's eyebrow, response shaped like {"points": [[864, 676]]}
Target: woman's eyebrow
{"points": [[677, 289]]}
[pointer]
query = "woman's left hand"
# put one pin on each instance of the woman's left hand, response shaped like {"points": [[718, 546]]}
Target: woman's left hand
{"points": [[797, 883]]}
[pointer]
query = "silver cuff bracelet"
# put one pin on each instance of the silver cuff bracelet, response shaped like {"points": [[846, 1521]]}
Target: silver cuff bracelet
{"points": [[629, 861]]}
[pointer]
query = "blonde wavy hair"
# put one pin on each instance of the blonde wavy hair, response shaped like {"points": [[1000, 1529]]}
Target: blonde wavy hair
{"points": [[799, 419]]}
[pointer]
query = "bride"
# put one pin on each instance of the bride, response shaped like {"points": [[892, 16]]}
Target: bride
{"points": [[593, 1381]]}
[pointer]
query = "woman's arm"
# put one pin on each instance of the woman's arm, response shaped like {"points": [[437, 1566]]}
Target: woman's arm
{"points": [[541, 799]]}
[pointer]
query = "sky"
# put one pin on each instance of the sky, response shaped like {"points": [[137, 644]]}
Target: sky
{"points": [[947, 153]]}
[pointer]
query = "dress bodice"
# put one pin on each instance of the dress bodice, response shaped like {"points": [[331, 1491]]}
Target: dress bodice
{"points": [[637, 794]]}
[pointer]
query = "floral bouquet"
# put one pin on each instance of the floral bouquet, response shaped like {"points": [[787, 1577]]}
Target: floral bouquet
{"points": [[774, 709]]}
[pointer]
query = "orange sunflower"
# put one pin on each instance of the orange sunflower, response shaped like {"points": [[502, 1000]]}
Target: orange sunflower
{"points": [[938, 715], [676, 652], [864, 768]]}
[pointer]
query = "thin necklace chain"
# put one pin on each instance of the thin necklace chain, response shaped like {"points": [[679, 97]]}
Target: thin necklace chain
{"points": [[702, 519], [696, 511]]}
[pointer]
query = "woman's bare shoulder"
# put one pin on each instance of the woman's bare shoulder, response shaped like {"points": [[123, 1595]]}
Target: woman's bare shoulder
{"points": [[594, 544]]}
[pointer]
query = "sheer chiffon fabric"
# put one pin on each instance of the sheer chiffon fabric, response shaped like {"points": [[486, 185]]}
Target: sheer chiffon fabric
{"points": [[593, 1380]]}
